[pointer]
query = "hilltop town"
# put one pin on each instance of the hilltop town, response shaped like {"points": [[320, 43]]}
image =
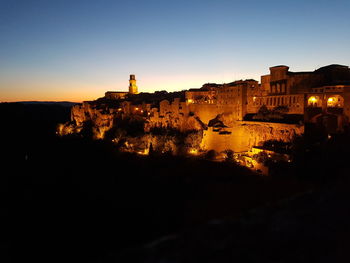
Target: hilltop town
{"points": [[246, 116]]}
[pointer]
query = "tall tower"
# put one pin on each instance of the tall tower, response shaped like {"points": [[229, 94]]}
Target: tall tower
{"points": [[132, 85]]}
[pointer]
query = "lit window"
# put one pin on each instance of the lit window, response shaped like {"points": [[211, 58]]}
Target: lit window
{"points": [[313, 101], [335, 101]]}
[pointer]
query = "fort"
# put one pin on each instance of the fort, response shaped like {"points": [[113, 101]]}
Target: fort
{"points": [[238, 116]]}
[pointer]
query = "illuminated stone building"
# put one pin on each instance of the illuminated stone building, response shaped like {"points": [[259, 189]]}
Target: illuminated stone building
{"points": [[282, 88], [329, 106], [132, 85], [207, 94], [232, 98], [119, 95], [243, 116], [320, 96], [116, 95], [214, 99]]}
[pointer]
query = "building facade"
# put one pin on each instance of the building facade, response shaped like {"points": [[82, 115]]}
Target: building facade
{"points": [[321, 97], [120, 95]]}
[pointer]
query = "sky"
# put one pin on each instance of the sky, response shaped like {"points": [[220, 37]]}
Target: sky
{"points": [[72, 50]]}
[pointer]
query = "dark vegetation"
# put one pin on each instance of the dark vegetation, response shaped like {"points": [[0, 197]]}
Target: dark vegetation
{"points": [[129, 126], [71, 199], [153, 98], [156, 97]]}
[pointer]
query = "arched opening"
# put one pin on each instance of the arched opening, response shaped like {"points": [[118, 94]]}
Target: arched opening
{"points": [[335, 101], [314, 101]]}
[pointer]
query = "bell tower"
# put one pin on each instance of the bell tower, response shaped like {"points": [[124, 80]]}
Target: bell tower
{"points": [[132, 85]]}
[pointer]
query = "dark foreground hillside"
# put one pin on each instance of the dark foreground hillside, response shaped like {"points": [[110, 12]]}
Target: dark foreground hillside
{"points": [[73, 199], [312, 227]]}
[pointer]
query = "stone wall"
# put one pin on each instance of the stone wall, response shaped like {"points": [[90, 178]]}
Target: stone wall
{"points": [[241, 136], [205, 112]]}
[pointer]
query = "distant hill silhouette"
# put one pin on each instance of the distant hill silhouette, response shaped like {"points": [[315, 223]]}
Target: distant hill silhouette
{"points": [[62, 103]]}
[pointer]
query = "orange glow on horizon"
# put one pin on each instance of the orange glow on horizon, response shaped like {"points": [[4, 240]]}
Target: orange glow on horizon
{"points": [[76, 91]]}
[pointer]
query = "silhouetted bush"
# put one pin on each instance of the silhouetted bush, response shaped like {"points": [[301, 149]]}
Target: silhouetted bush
{"points": [[261, 157], [229, 155], [211, 155]]}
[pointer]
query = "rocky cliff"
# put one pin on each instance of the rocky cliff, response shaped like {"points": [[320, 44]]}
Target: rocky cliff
{"points": [[243, 135], [136, 132]]}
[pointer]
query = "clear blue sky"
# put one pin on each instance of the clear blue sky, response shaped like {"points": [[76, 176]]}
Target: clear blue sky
{"points": [[76, 50]]}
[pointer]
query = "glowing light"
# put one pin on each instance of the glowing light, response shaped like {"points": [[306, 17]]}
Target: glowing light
{"points": [[312, 99], [136, 108], [190, 101], [193, 151], [120, 109], [144, 152], [335, 101]]}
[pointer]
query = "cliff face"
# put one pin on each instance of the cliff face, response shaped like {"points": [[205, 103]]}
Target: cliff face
{"points": [[180, 122], [134, 129], [242, 136], [100, 120]]}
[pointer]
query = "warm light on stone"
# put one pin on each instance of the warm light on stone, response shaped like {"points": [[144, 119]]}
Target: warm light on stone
{"points": [[144, 152], [236, 116], [193, 151]]}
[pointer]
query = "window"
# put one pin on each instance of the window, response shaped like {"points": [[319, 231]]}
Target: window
{"points": [[273, 89], [335, 101], [314, 101]]}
